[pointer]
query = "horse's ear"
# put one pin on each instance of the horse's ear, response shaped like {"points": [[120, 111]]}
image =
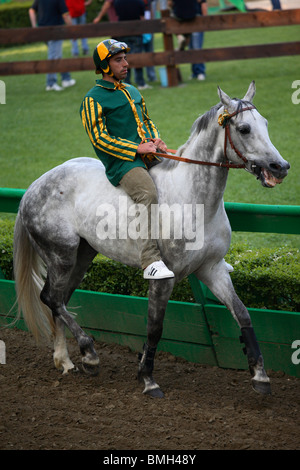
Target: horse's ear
{"points": [[251, 92], [225, 99]]}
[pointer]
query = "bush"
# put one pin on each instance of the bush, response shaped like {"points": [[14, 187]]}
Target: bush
{"points": [[6, 248], [15, 14], [265, 278]]}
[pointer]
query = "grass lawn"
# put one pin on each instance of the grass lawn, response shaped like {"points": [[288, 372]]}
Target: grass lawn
{"points": [[40, 130]]}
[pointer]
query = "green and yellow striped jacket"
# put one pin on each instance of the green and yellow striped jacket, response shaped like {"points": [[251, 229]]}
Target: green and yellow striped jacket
{"points": [[116, 120]]}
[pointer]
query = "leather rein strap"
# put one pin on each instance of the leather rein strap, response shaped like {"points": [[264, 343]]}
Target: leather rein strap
{"points": [[223, 120], [197, 162]]}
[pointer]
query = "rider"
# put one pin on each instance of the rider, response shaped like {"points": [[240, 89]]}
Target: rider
{"points": [[115, 118]]}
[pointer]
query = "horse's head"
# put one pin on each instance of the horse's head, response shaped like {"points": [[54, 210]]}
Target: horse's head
{"points": [[247, 133]]}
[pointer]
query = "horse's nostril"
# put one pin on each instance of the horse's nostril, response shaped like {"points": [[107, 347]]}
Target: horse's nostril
{"points": [[278, 166], [275, 166]]}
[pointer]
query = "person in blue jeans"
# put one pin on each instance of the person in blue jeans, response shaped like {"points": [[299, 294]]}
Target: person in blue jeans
{"points": [[52, 13], [150, 9], [77, 10], [187, 11], [148, 47], [128, 10], [276, 4], [196, 42]]}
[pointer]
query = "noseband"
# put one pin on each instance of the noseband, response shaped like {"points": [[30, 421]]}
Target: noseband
{"points": [[223, 120]]}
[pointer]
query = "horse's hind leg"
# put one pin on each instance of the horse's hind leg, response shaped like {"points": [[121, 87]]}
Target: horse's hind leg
{"points": [[60, 355], [64, 270], [159, 294], [219, 282], [85, 255]]}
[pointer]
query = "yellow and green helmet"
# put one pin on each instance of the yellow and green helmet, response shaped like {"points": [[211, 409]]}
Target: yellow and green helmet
{"points": [[104, 51]]}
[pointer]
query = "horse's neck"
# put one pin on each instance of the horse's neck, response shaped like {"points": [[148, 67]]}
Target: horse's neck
{"points": [[193, 183]]}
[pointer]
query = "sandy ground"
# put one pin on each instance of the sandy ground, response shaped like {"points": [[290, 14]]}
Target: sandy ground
{"points": [[204, 407]]}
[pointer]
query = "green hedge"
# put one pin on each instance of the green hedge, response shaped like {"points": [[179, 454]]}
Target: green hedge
{"points": [[6, 248], [15, 14], [265, 278]]}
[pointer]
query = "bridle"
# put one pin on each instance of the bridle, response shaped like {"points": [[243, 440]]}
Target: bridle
{"points": [[223, 120]]}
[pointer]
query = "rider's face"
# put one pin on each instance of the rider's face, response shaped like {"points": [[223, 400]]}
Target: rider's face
{"points": [[119, 65]]}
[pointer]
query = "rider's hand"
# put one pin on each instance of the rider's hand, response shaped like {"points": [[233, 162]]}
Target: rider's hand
{"points": [[146, 147], [160, 144]]}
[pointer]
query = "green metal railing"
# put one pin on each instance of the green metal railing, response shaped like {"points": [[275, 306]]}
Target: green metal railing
{"points": [[242, 217]]}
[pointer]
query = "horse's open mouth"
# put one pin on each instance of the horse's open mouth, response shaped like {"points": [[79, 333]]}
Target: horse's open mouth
{"points": [[266, 177]]}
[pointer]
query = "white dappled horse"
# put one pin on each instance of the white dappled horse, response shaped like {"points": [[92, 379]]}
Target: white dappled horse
{"points": [[57, 236]]}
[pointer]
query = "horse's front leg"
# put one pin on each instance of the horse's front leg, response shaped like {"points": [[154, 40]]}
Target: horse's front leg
{"points": [[159, 294], [219, 282]]}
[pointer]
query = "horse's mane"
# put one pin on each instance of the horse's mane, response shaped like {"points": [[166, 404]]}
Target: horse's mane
{"points": [[201, 124], [203, 121]]}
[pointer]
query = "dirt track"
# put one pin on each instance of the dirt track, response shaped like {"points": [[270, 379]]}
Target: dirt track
{"points": [[203, 408]]}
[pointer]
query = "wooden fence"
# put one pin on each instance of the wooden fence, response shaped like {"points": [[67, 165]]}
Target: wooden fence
{"points": [[202, 332], [168, 27]]}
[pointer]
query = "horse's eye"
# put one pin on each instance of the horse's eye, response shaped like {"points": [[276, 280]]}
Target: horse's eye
{"points": [[244, 129]]}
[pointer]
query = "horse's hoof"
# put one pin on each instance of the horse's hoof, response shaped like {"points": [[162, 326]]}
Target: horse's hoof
{"points": [[154, 393], [90, 369], [261, 387]]}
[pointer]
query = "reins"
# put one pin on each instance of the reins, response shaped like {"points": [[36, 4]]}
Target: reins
{"points": [[223, 120], [197, 162]]}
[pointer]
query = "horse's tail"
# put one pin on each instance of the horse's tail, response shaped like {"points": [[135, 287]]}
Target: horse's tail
{"points": [[28, 273]]}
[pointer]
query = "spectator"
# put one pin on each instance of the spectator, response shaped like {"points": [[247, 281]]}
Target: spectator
{"points": [[187, 11], [148, 39], [196, 42], [133, 10], [52, 13], [183, 11], [77, 10], [109, 9], [276, 4]]}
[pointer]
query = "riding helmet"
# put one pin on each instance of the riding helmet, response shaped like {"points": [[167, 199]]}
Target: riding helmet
{"points": [[104, 51]]}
